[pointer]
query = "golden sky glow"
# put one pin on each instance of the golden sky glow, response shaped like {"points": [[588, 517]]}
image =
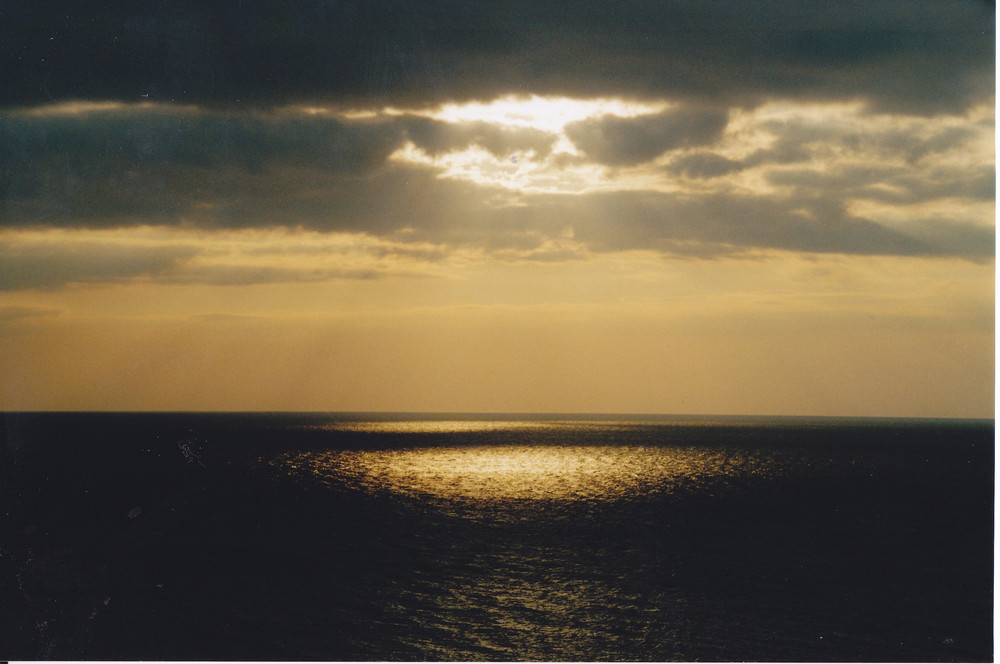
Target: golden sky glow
{"points": [[561, 240], [621, 332]]}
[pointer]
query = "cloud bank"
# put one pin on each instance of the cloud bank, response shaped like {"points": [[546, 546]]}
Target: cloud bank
{"points": [[916, 56], [754, 127], [669, 178]]}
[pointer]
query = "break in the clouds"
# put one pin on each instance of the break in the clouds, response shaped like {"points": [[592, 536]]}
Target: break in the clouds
{"points": [[686, 179], [112, 165], [684, 128], [658, 205], [918, 56]]}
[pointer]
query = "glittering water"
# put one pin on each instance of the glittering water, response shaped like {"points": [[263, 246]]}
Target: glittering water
{"points": [[498, 467], [402, 538], [522, 473]]}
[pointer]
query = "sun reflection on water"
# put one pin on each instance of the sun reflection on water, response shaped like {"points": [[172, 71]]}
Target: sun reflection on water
{"points": [[448, 426], [522, 472]]}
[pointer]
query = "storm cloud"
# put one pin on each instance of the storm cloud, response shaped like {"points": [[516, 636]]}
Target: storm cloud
{"points": [[918, 56]]}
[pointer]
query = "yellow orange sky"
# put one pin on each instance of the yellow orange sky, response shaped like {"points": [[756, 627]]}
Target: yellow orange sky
{"points": [[799, 220], [627, 332]]}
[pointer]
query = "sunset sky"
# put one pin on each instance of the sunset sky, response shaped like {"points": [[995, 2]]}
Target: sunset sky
{"points": [[756, 207]]}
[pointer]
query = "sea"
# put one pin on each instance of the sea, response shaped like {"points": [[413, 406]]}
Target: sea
{"points": [[457, 537]]}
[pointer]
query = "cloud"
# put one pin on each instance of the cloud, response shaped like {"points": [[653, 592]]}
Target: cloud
{"points": [[646, 220], [150, 165], [9, 314], [163, 165], [247, 275], [435, 137], [891, 184], [52, 259], [955, 238], [788, 179], [704, 165], [52, 264], [616, 141], [913, 56], [707, 165]]}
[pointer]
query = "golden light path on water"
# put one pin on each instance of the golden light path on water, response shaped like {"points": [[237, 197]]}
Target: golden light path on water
{"points": [[520, 472]]}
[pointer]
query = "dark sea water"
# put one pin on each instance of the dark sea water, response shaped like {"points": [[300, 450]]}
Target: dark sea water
{"points": [[338, 537]]}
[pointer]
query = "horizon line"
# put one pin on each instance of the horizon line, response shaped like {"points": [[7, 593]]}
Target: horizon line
{"points": [[505, 415]]}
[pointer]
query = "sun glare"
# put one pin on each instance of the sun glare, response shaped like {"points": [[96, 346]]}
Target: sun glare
{"points": [[545, 113]]}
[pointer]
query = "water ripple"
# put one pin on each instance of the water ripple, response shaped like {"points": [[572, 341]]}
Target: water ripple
{"points": [[526, 473]]}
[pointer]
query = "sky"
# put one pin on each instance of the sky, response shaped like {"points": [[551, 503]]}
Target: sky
{"points": [[755, 207]]}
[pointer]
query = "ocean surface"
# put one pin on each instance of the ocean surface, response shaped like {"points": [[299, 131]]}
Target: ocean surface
{"points": [[421, 537]]}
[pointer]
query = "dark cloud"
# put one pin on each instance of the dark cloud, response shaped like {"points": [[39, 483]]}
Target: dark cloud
{"points": [[51, 265], [704, 165], [917, 147], [702, 227], [647, 220], [787, 149], [919, 56], [47, 264], [797, 136], [11, 314], [247, 275], [617, 141], [889, 184], [161, 165], [148, 165], [957, 239], [511, 227], [220, 169]]}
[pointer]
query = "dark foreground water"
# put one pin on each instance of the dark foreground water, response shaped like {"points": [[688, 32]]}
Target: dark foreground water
{"points": [[385, 538]]}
